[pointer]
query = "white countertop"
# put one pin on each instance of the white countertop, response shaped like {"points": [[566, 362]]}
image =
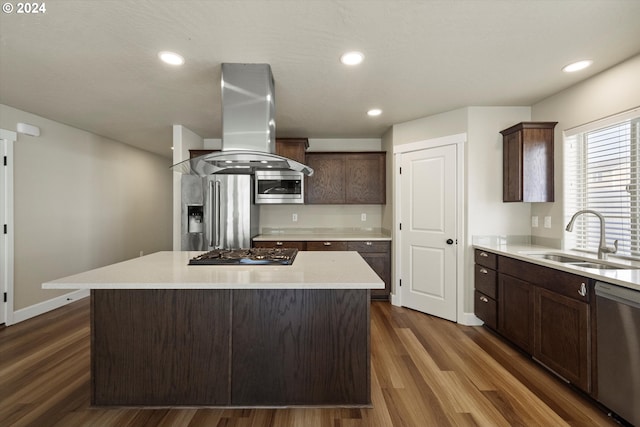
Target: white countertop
{"points": [[170, 270], [629, 278]]}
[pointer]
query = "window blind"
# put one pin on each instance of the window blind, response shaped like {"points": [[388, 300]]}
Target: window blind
{"points": [[602, 172]]}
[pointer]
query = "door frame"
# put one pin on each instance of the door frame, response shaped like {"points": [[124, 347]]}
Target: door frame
{"points": [[6, 262], [459, 141]]}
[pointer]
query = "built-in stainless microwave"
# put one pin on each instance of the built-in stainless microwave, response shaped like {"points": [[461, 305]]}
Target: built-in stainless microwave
{"points": [[279, 187]]}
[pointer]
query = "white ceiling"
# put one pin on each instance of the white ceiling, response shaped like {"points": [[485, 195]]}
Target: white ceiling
{"points": [[93, 64]]}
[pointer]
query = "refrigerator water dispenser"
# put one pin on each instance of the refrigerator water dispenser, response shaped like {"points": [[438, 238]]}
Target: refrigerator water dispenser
{"points": [[195, 214]]}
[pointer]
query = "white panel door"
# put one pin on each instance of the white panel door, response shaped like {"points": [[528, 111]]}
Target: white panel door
{"points": [[428, 234], [3, 237]]}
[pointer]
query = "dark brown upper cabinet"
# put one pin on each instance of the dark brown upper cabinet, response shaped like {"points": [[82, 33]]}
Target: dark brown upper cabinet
{"points": [[292, 148], [528, 162], [346, 178]]}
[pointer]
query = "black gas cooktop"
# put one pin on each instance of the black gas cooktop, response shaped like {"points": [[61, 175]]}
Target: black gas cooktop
{"points": [[255, 256]]}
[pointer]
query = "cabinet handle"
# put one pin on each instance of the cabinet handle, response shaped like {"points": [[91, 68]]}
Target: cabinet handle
{"points": [[484, 254], [368, 243], [484, 271], [583, 290], [279, 243], [327, 243], [484, 299]]}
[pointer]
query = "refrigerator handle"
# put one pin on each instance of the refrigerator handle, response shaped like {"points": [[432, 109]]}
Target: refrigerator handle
{"points": [[212, 208], [214, 194]]}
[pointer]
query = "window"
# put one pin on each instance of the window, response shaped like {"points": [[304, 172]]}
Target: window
{"points": [[602, 173]]}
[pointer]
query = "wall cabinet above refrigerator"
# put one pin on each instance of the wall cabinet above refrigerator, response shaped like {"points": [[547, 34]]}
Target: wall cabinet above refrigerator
{"points": [[292, 148]]}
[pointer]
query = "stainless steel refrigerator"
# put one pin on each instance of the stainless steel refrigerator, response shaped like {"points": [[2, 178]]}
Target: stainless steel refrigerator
{"points": [[218, 212]]}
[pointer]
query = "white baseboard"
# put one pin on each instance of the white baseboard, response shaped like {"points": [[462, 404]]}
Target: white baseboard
{"points": [[46, 306], [395, 300], [467, 319], [470, 319]]}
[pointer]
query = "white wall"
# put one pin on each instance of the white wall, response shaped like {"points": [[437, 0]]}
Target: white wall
{"points": [[484, 211], [438, 125], [608, 93], [81, 201]]}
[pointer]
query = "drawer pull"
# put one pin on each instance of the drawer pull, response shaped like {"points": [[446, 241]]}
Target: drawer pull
{"points": [[368, 243], [484, 271], [484, 254], [583, 290], [327, 243], [484, 299], [279, 243]]}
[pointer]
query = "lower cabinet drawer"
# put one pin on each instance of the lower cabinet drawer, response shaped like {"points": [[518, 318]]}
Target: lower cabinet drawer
{"points": [[485, 281], [369, 246], [486, 309], [327, 246], [301, 246]]}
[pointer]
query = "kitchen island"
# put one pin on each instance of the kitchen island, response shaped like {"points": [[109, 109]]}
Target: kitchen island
{"points": [[164, 333]]}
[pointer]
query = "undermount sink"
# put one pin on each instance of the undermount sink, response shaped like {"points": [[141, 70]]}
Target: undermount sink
{"points": [[580, 262], [600, 266], [556, 257]]}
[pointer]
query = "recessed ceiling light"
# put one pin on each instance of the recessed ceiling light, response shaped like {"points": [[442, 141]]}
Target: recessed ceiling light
{"points": [[171, 58], [352, 58], [577, 66], [374, 112]]}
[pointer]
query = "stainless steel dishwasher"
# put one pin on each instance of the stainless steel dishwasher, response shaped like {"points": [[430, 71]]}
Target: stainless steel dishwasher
{"points": [[618, 312]]}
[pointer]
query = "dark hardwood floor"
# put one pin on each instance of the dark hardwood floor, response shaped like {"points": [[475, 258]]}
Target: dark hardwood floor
{"points": [[425, 372]]}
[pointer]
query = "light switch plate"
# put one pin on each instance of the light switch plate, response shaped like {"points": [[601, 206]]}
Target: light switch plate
{"points": [[294, 217], [547, 222]]}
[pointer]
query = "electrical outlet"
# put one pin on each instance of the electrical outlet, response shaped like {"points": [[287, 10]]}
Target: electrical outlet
{"points": [[534, 221], [363, 217], [547, 222], [294, 217], [141, 253]]}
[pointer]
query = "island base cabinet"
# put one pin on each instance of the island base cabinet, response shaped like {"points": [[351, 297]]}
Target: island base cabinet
{"points": [[326, 369], [160, 347], [238, 347]]}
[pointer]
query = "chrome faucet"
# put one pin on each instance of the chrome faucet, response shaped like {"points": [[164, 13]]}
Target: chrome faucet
{"points": [[603, 249]]}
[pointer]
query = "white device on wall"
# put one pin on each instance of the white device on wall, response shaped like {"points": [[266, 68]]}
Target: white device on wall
{"points": [[28, 129]]}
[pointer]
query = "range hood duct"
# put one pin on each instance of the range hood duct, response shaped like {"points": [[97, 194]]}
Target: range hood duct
{"points": [[248, 126]]}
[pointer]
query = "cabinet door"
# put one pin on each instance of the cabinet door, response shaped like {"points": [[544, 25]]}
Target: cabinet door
{"points": [[365, 177], [562, 336], [528, 162], [292, 148], [346, 178], [515, 311], [512, 167], [327, 184], [198, 153]]}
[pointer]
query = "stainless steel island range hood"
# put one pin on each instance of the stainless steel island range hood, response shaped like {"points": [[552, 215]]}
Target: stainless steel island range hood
{"points": [[248, 126]]}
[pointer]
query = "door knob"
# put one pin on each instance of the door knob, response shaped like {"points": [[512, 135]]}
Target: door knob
{"points": [[449, 241]]}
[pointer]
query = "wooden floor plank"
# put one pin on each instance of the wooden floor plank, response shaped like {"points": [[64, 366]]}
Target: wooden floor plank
{"points": [[425, 371]]}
